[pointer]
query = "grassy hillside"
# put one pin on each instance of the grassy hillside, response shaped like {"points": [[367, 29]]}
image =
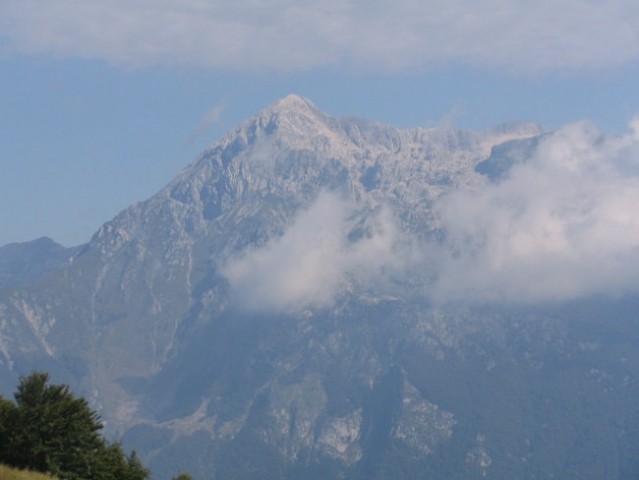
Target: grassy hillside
{"points": [[7, 473]]}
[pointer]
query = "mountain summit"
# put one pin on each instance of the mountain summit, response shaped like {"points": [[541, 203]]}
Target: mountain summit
{"points": [[267, 314]]}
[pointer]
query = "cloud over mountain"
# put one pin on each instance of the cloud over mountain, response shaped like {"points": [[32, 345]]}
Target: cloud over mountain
{"points": [[562, 224], [312, 263], [286, 35]]}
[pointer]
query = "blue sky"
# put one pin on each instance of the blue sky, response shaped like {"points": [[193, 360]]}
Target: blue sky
{"points": [[101, 103]]}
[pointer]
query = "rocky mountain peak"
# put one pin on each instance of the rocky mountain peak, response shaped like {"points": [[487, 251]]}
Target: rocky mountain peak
{"points": [[293, 122], [292, 103]]}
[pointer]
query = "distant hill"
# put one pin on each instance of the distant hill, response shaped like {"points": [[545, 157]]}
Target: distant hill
{"points": [[26, 262]]}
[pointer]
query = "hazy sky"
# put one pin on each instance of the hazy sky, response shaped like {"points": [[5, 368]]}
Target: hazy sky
{"points": [[102, 102]]}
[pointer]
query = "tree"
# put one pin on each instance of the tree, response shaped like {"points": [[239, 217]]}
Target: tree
{"points": [[115, 464], [7, 413], [49, 429]]}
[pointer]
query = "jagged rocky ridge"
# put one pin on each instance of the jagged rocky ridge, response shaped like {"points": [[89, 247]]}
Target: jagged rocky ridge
{"points": [[207, 355]]}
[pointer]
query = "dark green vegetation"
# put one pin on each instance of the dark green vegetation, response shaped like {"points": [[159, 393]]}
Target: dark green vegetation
{"points": [[48, 429]]}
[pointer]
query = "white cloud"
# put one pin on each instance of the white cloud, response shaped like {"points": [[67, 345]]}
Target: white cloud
{"points": [[562, 225], [289, 35], [316, 258]]}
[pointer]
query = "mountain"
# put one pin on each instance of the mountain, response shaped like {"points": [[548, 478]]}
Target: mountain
{"points": [[267, 315], [24, 263]]}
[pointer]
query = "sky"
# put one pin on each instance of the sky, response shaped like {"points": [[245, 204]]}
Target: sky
{"points": [[103, 102]]}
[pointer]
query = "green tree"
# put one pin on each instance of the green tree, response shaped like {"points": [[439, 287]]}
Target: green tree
{"points": [[49, 429], [134, 469], [7, 414], [182, 476], [115, 464]]}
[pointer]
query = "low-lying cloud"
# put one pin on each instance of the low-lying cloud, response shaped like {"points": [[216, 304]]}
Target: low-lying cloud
{"points": [[288, 35], [561, 225], [327, 249]]}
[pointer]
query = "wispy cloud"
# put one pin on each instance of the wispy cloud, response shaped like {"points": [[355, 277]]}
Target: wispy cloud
{"points": [[288, 35], [210, 118]]}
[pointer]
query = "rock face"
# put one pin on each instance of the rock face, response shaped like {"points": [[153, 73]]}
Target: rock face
{"points": [[264, 316]]}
